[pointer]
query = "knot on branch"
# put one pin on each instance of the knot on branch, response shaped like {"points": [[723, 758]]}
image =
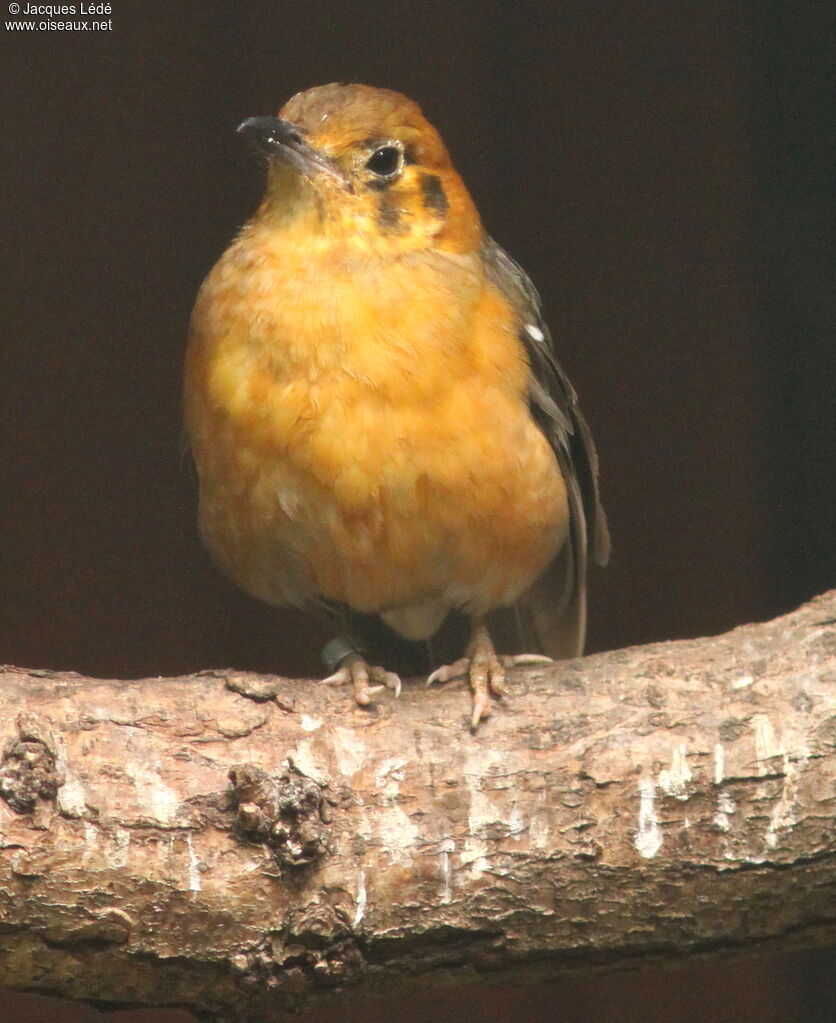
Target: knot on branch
{"points": [[28, 767], [316, 949], [287, 813]]}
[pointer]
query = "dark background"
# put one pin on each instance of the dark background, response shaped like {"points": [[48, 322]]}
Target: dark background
{"points": [[661, 170]]}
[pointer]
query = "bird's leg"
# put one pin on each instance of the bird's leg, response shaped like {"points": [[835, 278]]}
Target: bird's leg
{"points": [[351, 667], [484, 670]]}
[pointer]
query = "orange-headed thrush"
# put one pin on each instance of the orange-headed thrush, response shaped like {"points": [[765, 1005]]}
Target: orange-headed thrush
{"points": [[376, 414]]}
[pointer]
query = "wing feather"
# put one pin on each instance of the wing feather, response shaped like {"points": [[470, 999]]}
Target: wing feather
{"points": [[555, 606]]}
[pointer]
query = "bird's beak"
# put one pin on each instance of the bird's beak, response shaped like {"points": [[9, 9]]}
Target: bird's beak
{"points": [[282, 140]]}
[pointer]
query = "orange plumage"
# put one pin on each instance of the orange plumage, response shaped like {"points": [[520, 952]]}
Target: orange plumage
{"points": [[370, 423]]}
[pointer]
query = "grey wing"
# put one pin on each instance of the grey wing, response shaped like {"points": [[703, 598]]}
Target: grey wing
{"points": [[554, 608]]}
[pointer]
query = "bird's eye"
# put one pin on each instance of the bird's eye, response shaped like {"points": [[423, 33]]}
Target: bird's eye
{"points": [[385, 162]]}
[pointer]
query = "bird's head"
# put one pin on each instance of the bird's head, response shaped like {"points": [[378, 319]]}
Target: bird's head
{"points": [[363, 163]]}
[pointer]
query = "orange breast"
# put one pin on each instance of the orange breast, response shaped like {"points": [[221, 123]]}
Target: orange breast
{"points": [[361, 432]]}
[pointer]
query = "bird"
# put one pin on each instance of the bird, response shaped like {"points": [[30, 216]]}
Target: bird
{"points": [[380, 427]]}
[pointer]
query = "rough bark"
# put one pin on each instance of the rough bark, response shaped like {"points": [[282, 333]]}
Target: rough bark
{"points": [[235, 843]]}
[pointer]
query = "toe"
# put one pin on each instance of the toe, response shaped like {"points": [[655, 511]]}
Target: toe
{"points": [[386, 680], [447, 672], [481, 708], [496, 678], [360, 678]]}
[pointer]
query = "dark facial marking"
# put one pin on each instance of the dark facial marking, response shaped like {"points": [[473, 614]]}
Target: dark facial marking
{"points": [[435, 200], [389, 217]]}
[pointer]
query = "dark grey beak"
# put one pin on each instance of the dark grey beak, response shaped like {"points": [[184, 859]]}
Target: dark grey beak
{"points": [[282, 140], [269, 133]]}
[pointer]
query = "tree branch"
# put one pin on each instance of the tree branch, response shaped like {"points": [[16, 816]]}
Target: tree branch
{"points": [[234, 843]]}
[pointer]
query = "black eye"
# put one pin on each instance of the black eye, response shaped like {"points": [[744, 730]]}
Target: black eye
{"points": [[385, 162]]}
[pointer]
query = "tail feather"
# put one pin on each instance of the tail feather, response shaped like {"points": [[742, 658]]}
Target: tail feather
{"points": [[550, 617]]}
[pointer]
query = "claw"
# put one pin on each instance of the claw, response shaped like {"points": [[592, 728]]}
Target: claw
{"points": [[519, 660], [340, 677]]}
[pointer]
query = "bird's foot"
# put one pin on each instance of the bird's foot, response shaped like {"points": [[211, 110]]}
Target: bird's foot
{"points": [[484, 670], [355, 670], [458, 669]]}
